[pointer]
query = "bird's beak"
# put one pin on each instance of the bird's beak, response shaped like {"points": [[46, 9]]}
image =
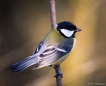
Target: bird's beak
{"points": [[78, 29]]}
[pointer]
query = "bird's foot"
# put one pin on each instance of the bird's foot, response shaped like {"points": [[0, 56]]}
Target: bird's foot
{"points": [[58, 74]]}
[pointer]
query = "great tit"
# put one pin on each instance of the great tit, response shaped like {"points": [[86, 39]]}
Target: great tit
{"points": [[52, 50]]}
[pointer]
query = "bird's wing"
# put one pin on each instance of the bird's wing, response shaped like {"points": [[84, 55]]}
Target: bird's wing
{"points": [[27, 62], [51, 54]]}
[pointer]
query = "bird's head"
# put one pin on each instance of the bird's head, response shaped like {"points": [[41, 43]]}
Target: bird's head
{"points": [[67, 29]]}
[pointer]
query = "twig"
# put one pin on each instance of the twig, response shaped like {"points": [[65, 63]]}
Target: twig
{"points": [[53, 23], [52, 13]]}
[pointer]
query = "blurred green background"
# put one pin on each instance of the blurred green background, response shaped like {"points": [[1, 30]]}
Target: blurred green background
{"points": [[24, 23]]}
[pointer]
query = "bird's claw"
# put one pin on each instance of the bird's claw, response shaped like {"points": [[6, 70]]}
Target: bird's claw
{"points": [[58, 74]]}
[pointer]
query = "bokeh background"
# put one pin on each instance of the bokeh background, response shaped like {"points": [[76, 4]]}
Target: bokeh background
{"points": [[24, 23]]}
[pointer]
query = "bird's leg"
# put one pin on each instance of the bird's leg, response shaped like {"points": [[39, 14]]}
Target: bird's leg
{"points": [[58, 72]]}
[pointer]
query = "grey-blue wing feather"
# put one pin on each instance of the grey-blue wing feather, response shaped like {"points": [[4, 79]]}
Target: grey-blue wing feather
{"points": [[25, 63], [55, 54]]}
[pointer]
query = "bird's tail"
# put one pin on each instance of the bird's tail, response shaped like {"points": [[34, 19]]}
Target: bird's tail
{"points": [[25, 63]]}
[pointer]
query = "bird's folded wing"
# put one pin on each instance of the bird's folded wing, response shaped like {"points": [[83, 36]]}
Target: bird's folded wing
{"points": [[51, 54]]}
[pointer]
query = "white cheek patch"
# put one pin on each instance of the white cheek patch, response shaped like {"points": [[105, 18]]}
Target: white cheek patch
{"points": [[67, 33], [56, 26]]}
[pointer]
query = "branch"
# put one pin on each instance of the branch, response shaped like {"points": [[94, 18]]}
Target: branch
{"points": [[53, 23], [52, 13]]}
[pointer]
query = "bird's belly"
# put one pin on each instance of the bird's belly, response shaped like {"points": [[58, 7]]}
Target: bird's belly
{"points": [[60, 59]]}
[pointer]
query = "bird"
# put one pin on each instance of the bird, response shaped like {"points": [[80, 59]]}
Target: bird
{"points": [[52, 50]]}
